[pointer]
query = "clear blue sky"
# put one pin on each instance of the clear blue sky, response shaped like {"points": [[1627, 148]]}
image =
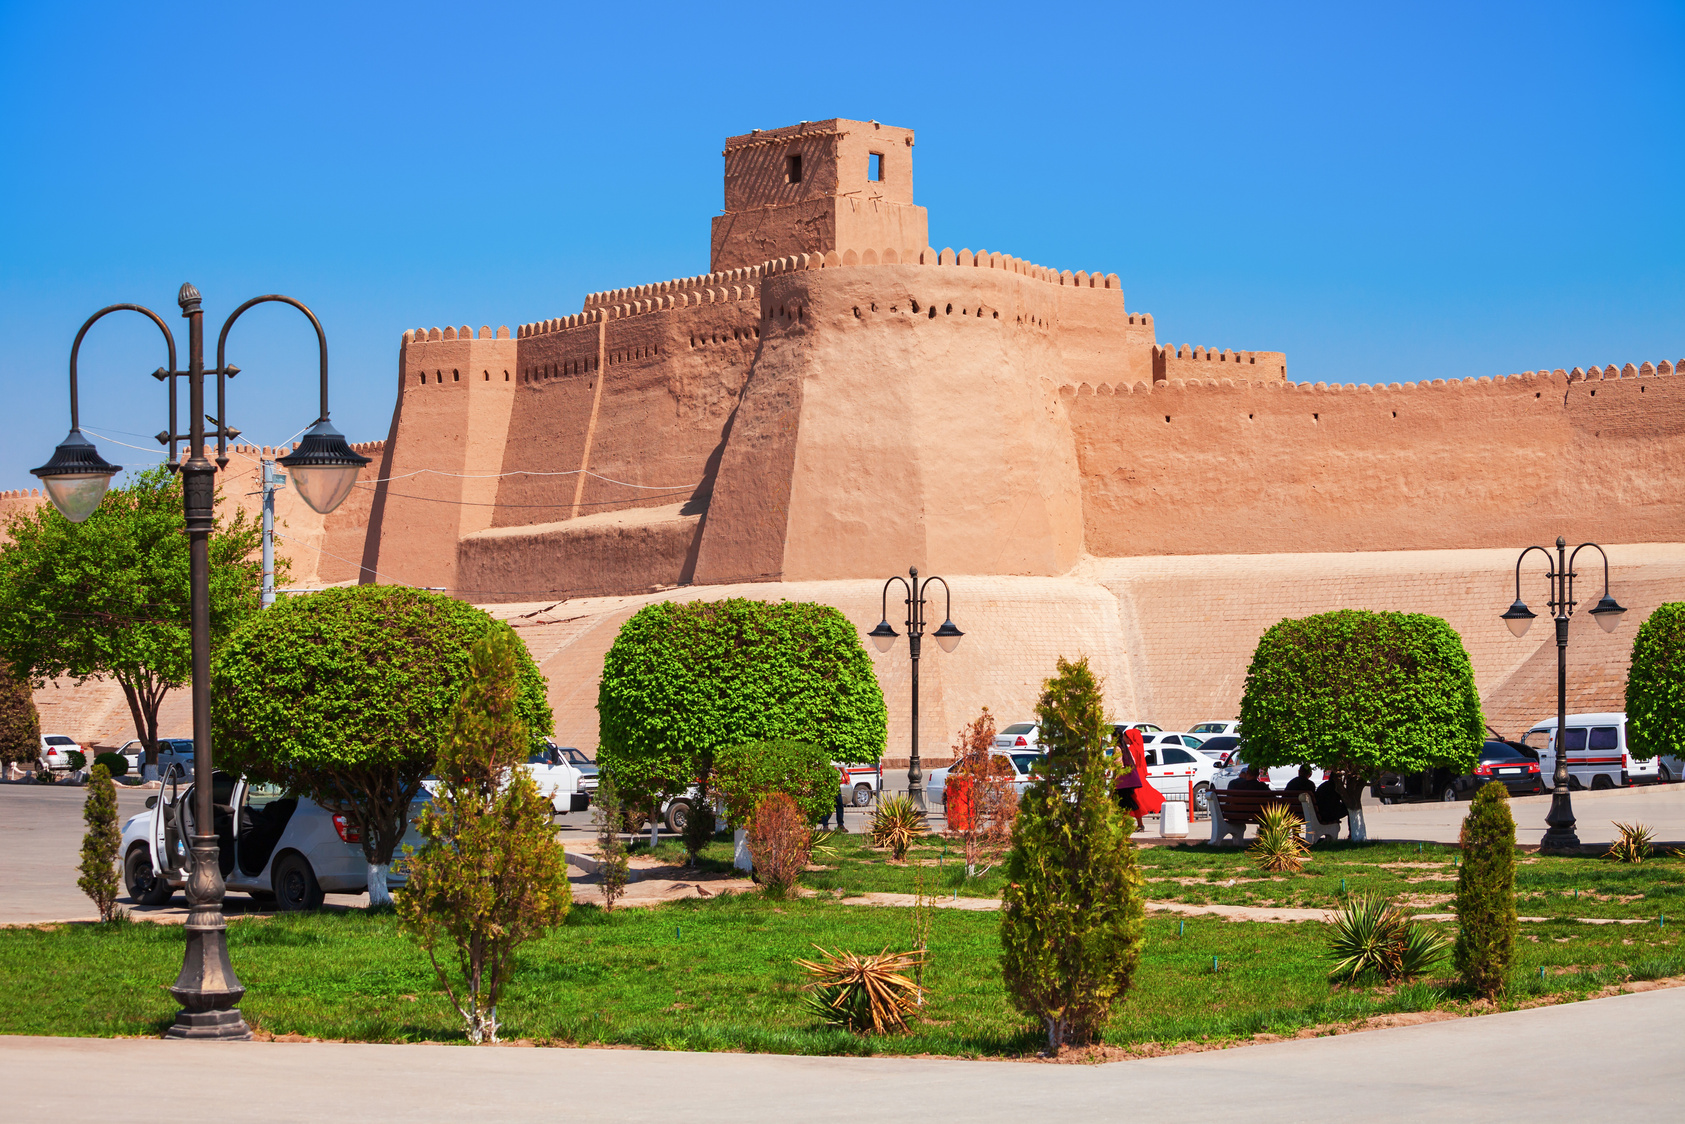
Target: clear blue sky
{"points": [[1385, 192]]}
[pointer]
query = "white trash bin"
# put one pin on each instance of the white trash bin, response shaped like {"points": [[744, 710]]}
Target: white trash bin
{"points": [[1173, 818]]}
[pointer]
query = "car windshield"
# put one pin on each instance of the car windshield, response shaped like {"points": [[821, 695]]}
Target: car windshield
{"points": [[1220, 744], [1499, 751], [1024, 762], [1019, 728], [1192, 742], [60, 739]]}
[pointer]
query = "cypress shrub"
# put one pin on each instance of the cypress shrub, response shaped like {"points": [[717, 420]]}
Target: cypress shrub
{"points": [[1486, 892], [1072, 916], [100, 844], [20, 725]]}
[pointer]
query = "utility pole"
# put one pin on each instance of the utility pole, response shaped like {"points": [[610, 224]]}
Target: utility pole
{"points": [[272, 480]]}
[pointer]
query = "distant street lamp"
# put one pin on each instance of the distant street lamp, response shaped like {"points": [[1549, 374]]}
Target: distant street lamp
{"points": [[1560, 574], [323, 467], [948, 637]]}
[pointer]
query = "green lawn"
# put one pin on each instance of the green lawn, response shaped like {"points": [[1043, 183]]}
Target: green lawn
{"points": [[1422, 877], [718, 974]]}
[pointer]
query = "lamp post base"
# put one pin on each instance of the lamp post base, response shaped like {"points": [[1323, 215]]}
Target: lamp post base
{"points": [[207, 989], [1559, 837]]}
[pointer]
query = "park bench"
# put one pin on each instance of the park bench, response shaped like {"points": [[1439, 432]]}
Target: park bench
{"points": [[1231, 811]]}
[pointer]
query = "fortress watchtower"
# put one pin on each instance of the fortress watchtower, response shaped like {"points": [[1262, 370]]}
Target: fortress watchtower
{"points": [[818, 186]]}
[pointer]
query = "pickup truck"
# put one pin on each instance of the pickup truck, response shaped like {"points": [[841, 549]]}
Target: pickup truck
{"points": [[562, 782], [859, 784]]}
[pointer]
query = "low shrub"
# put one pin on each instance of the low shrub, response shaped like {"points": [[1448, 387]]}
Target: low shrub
{"points": [[896, 822], [115, 764], [78, 760], [781, 842]]}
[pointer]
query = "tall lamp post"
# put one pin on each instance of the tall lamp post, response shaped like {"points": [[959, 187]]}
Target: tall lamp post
{"points": [[883, 638], [1559, 573], [324, 468]]}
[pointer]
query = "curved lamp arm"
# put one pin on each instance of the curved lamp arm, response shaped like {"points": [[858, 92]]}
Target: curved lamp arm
{"points": [[908, 588], [169, 341], [222, 365], [883, 636], [948, 636], [1548, 562], [1599, 550], [1607, 612]]}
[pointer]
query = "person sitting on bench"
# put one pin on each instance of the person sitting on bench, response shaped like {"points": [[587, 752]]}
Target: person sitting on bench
{"points": [[1330, 805], [1248, 781], [1301, 783]]}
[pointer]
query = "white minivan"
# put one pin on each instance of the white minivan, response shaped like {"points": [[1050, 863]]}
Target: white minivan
{"points": [[1597, 752]]}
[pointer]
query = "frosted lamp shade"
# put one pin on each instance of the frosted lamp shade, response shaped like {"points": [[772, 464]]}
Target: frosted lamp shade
{"points": [[948, 636], [1519, 618], [883, 637], [1608, 613], [324, 487], [78, 496]]}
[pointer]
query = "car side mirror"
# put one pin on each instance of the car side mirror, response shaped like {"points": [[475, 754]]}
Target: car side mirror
{"points": [[151, 802]]}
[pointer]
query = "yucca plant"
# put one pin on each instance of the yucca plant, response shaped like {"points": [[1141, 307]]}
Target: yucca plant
{"points": [[1279, 848], [1373, 936], [1635, 844], [863, 993], [896, 822]]}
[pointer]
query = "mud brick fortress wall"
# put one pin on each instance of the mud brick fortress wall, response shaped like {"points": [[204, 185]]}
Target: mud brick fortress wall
{"points": [[837, 399]]}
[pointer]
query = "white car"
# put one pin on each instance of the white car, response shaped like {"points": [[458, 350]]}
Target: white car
{"points": [[1212, 729], [1597, 753], [56, 750], [560, 780], [1019, 735], [1176, 768], [858, 785], [1023, 763], [1191, 741], [272, 845], [1276, 777]]}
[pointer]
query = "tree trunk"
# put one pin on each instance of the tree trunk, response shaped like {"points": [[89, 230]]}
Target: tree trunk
{"points": [[144, 702], [379, 892], [1351, 791]]}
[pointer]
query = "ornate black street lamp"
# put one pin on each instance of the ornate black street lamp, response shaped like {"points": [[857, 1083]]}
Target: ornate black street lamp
{"points": [[1560, 835], [324, 467], [883, 637]]}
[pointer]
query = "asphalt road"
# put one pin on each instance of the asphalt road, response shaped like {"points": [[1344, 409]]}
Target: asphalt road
{"points": [[1623, 1068], [41, 836]]}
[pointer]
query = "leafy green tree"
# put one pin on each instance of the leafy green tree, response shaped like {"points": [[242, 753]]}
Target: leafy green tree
{"points": [[684, 681], [109, 597], [99, 845], [346, 696], [1655, 685], [1359, 693], [20, 723], [745, 775], [1486, 921], [1072, 919], [493, 875]]}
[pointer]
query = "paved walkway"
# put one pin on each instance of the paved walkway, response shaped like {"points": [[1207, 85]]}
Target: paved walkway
{"points": [[1492, 1068]]}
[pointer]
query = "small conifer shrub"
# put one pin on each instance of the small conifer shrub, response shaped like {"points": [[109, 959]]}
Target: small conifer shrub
{"points": [[611, 849], [100, 844], [1072, 916], [493, 875], [1486, 892], [700, 824]]}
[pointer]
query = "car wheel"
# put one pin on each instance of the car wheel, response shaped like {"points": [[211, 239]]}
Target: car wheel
{"points": [[862, 795], [1449, 796], [678, 814], [1202, 797], [296, 887], [1386, 800], [1601, 782], [1662, 775], [144, 884], [1574, 784]]}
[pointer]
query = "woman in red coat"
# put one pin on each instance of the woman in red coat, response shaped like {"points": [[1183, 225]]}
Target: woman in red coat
{"points": [[1134, 791]]}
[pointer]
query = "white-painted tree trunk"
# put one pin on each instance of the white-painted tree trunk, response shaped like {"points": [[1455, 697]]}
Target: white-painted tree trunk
{"points": [[740, 857], [1357, 831], [379, 893], [654, 832]]}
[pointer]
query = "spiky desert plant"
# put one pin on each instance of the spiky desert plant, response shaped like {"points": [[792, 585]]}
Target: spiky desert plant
{"points": [[1486, 922], [863, 993], [100, 844], [1374, 937], [1279, 848], [1072, 918], [896, 822], [1636, 843], [781, 842]]}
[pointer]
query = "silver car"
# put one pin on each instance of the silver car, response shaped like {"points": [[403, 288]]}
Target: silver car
{"points": [[275, 847]]}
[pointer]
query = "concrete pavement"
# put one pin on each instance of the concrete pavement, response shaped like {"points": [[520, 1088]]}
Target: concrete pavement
{"points": [[1620, 1065]]}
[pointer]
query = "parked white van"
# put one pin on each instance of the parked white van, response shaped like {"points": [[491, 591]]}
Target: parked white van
{"points": [[1597, 753]]}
